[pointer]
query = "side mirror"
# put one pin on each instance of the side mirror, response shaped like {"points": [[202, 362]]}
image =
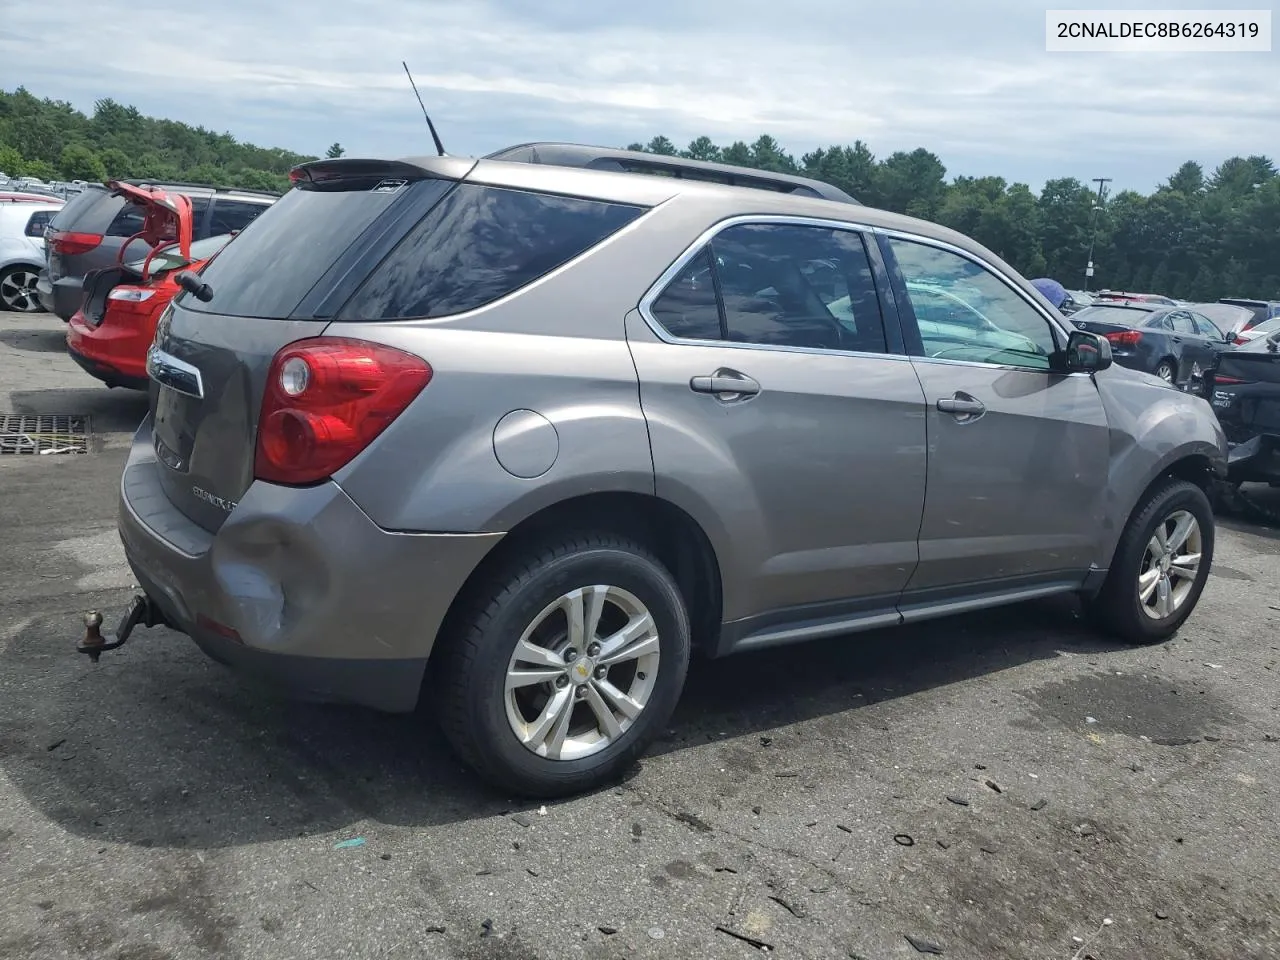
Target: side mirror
{"points": [[191, 283], [1087, 352]]}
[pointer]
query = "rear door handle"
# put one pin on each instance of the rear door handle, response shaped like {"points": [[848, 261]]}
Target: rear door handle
{"points": [[962, 406], [726, 384]]}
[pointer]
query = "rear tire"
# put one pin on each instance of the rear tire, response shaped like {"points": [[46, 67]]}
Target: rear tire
{"points": [[1166, 371], [570, 711], [18, 290], [1148, 594]]}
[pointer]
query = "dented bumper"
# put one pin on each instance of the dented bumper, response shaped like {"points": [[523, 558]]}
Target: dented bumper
{"points": [[298, 587]]}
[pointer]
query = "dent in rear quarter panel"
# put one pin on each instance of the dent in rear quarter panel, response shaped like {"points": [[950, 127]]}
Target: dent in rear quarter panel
{"points": [[435, 469], [1152, 427]]}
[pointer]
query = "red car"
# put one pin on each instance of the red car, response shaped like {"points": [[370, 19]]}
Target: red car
{"points": [[110, 334]]}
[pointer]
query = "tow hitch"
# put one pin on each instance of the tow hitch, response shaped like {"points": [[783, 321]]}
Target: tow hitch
{"points": [[140, 611]]}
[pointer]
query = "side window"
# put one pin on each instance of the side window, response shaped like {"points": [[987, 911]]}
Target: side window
{"points": [[126, 222], [480, 244], [232, 215], [39, 220], [687, 308], [965, 312], [1182, 322], [1205, 327], [798, 286], [1160, 321]]}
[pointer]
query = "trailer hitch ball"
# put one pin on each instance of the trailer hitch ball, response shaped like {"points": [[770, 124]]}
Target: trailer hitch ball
{"points": [[92, 643]]}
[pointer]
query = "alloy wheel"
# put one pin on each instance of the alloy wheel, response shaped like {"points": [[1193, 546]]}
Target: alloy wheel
{"points": [[1165, 372], [18, 291], [582, 672], [1170, 565]]}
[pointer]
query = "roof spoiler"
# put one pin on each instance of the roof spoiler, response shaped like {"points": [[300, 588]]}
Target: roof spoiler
{"points": [[681, 168], [355, 168]]}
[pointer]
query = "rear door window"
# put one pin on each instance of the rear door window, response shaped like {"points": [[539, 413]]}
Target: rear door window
{"points": [[798, 286], [479, 244], [687, 307]]}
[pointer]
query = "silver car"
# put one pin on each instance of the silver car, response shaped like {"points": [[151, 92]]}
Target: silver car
{"points": [[517, 437]]}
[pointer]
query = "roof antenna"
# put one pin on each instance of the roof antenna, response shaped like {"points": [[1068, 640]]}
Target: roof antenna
{"points": [[431, 126]]}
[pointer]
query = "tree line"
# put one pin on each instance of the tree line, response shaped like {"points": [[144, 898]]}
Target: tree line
{"points": [[1196, 236], [50, 139]]}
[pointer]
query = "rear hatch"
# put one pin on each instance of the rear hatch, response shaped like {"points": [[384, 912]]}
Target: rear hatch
{"points": [[1244, 389], [280, 280], [77, 229]]}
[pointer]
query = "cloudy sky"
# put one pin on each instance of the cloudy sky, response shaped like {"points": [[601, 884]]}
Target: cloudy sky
{"points": [[968, 80]]}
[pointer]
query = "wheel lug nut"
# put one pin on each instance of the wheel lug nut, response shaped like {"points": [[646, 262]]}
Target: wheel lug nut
{"points": [[581, 693], [601, 672], [593, 650], [562, 682]]}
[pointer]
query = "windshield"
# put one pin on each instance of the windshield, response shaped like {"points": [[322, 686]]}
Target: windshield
{"points": [[171, 258]]}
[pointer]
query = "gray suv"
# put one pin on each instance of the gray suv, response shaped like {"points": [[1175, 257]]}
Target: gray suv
{"points": [[518, 436], [89, 232]]}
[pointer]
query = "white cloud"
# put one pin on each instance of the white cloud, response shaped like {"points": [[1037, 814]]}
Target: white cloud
{"points": [[970, 81]]}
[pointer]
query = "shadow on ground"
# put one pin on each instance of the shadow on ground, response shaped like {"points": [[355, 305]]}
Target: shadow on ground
{"points": [[109, 410], [34, 339], [158, 746]]}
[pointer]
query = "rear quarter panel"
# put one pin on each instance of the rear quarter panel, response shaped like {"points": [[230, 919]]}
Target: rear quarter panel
{"points": [[1152, 427], [556, 348]]}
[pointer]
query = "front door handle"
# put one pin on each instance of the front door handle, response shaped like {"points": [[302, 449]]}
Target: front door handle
{"points": [[725, 384], [962, 406]]}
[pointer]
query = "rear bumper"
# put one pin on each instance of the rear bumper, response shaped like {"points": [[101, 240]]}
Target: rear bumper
{"points": [[299, 588], [62, 296], [1256, 460], [114, 353]]}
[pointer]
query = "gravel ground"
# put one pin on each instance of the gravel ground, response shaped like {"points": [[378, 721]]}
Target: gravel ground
{"points": [[996, 785]]}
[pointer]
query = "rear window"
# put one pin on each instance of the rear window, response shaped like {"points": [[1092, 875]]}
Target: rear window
{"points": [[1130, 318], [82, 209], [290, 246], [480, 244]]}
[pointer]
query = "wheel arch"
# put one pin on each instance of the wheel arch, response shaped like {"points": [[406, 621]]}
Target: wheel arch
{"points": [[673, 536]]}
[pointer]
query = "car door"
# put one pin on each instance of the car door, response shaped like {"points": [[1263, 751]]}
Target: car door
{"points": [[1018, 452], [1194, 353], [785, 418]]}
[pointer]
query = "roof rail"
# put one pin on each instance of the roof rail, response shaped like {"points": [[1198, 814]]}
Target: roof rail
{"points": [[162, 182], [653, 164]]}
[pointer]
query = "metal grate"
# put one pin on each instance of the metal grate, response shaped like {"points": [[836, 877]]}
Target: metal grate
{"points": [[43, 434]]}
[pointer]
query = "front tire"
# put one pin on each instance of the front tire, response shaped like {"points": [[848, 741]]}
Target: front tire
{"points": [[562, 669], [1160, 566]]}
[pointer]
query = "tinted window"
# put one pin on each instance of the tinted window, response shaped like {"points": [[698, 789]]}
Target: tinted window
{"points": [[1161, 321], [292, 244], [1182, 323], [981, 319], [39, 220], [798, 286], [82, 211], [232, 215], [1205, 327], [480, 244], [126, 222], [687, 307]]}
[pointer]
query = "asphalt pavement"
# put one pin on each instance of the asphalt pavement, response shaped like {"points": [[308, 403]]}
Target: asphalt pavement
{"points": [[999, 785]]}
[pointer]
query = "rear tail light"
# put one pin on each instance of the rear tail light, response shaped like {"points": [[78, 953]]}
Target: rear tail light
{"points": [[326, 399], [1220, 379], [131, 294], [1240, 341], [69, 244], [1124, 338]]}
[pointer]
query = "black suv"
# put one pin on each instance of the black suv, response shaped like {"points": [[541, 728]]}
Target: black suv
{"points": [[90, 230]]}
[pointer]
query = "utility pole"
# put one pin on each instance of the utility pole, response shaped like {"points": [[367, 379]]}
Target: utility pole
{"points": [[1093, 225]]}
